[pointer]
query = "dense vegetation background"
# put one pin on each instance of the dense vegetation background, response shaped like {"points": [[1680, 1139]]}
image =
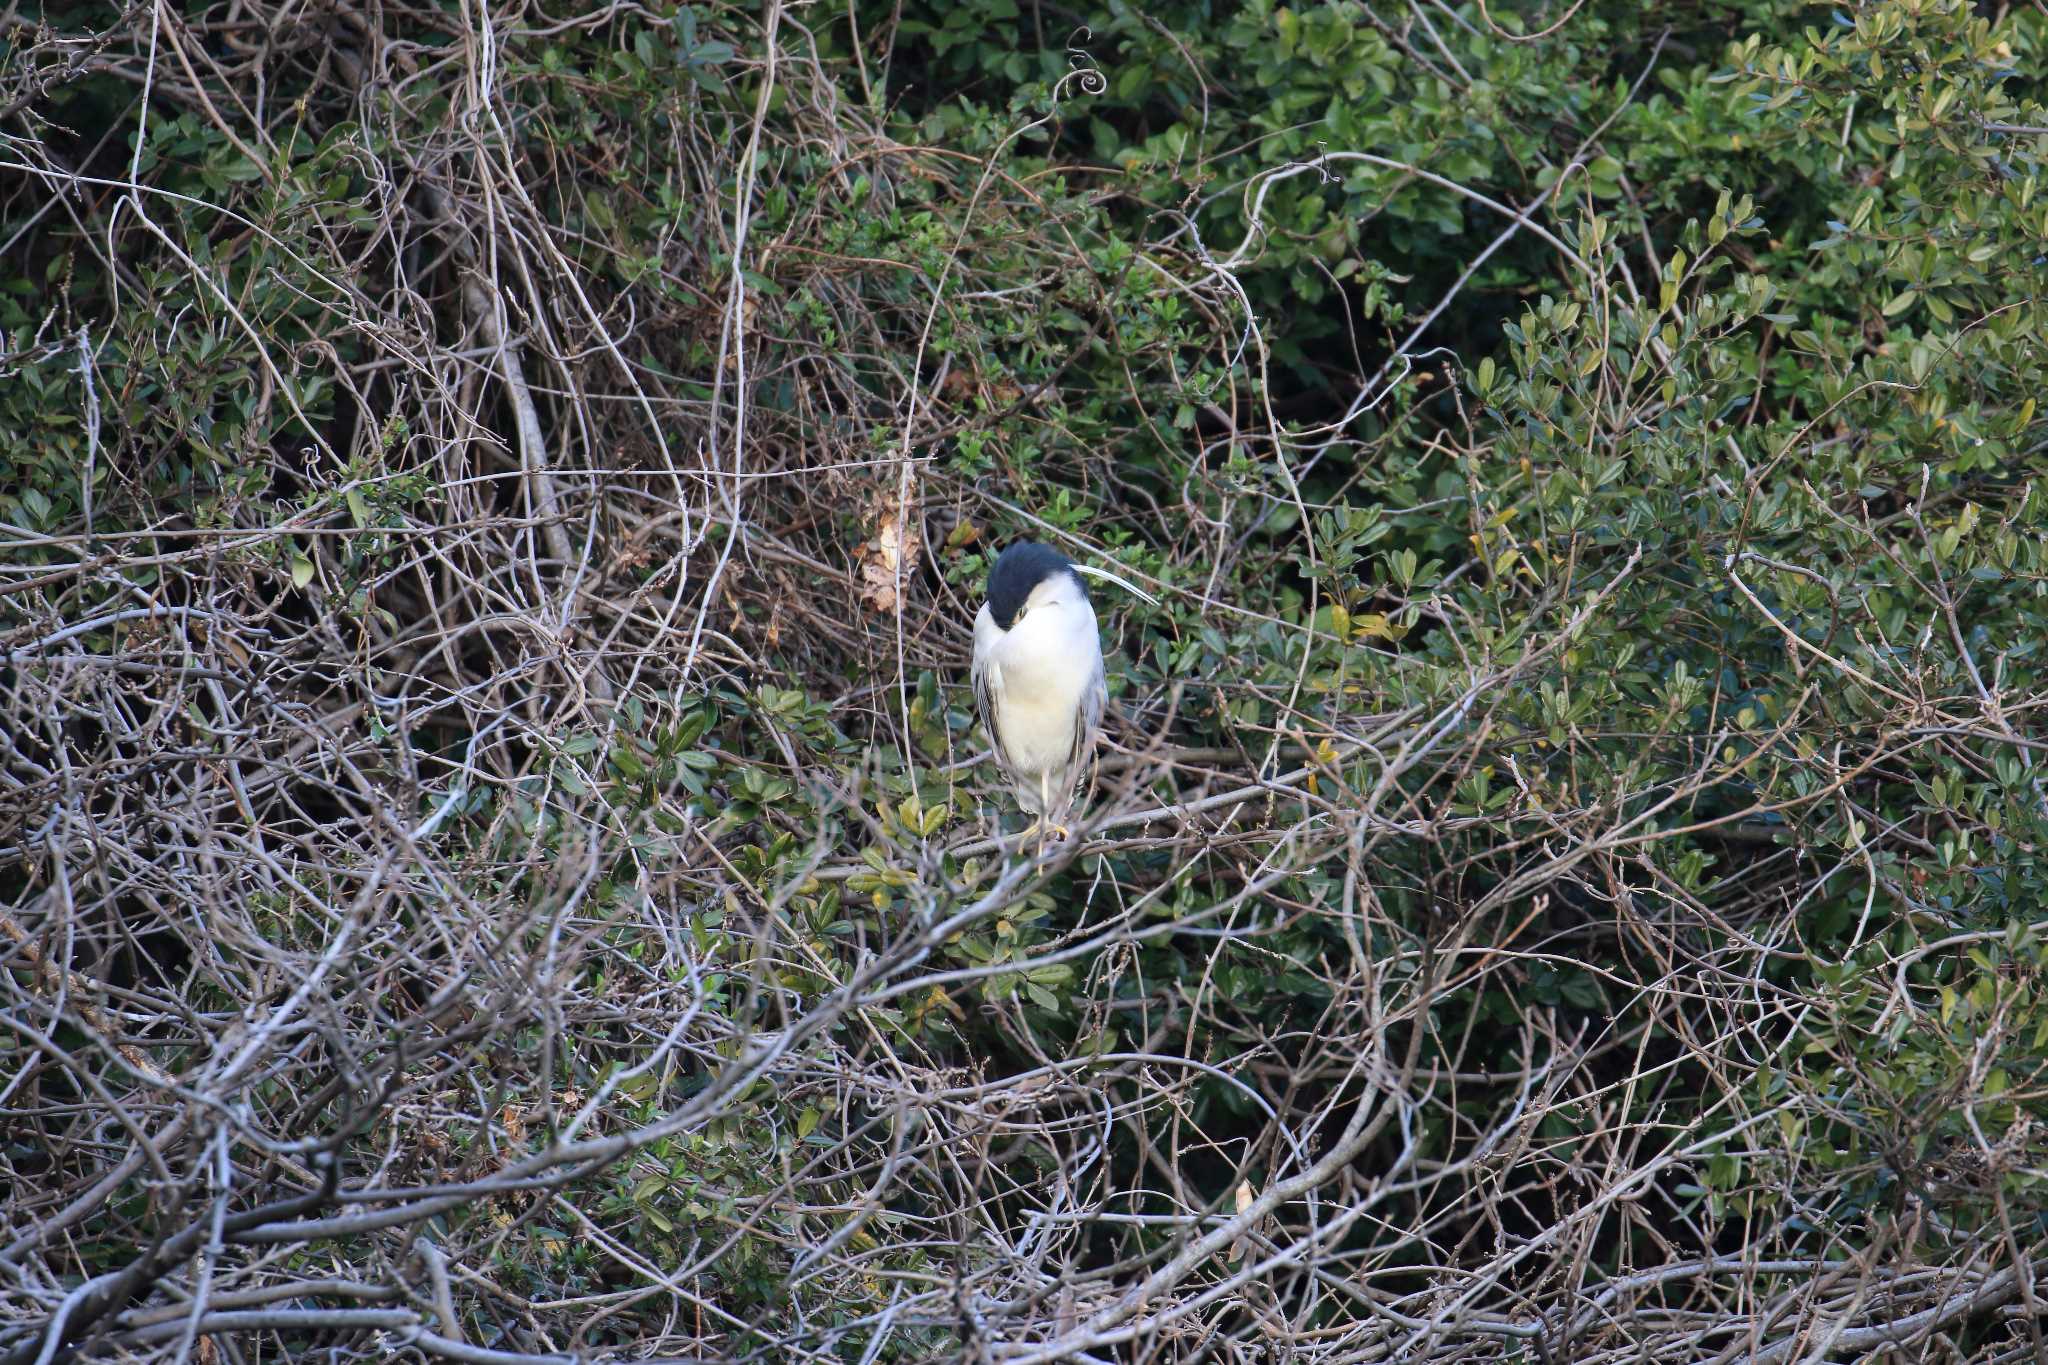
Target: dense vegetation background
{"points": [[494, 498]]}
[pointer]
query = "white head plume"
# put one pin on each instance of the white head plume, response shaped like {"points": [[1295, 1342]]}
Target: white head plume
{"points": [[1094, 572]]}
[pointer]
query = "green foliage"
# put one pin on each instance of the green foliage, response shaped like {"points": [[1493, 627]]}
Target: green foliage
{"points": [[1773, 387], [1638, 423]]}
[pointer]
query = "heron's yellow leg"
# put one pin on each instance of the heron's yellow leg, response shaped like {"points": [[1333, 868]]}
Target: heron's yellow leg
{"points": [[1044, 810]]}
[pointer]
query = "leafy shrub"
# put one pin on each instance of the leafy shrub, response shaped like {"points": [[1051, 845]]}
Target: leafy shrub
{"points": [[495, 506]]}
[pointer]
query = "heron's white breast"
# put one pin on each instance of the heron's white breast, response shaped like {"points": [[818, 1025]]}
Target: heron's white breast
{"points": [[1045, 665]]}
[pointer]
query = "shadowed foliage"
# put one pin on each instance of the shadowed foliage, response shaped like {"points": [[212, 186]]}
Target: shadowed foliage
{"points": [[496, 859]]}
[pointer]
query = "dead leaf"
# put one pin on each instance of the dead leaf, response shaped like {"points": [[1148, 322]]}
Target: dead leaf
{"points": [[1245, 1198], [887, 560]]}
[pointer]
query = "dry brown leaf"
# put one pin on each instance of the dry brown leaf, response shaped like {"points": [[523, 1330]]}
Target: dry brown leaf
{"points": [[1245, 1197], [887, 560]]}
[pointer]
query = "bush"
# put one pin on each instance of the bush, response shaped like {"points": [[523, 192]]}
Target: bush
{"points": [[495, 504]]}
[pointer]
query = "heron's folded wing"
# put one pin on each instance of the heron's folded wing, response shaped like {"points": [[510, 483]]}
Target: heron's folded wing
{"points": [[987, 678], [1088, 722]]}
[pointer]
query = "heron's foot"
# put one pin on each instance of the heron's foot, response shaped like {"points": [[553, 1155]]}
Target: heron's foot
{"points": [[1044, 831]]}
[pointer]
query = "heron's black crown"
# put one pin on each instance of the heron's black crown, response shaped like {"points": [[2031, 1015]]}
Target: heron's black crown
{"points": [[1017, 571]]}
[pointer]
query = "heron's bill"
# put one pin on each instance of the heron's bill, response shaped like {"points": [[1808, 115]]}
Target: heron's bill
{"points": [[1094, 572]]}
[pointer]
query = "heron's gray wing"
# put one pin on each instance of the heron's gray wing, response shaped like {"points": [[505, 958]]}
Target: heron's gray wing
{"points": [[986, 675], [984, 703], [1087, 724]]}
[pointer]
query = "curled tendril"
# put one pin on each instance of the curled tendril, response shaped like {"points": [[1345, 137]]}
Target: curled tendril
{"points": [[1319, 163], [1084, 73]]}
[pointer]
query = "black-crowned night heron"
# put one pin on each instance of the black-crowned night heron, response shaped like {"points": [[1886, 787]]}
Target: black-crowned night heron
{"points": [[1038, 678]]}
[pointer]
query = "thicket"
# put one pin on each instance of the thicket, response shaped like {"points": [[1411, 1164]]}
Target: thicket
{"points": [[494, 860]]}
